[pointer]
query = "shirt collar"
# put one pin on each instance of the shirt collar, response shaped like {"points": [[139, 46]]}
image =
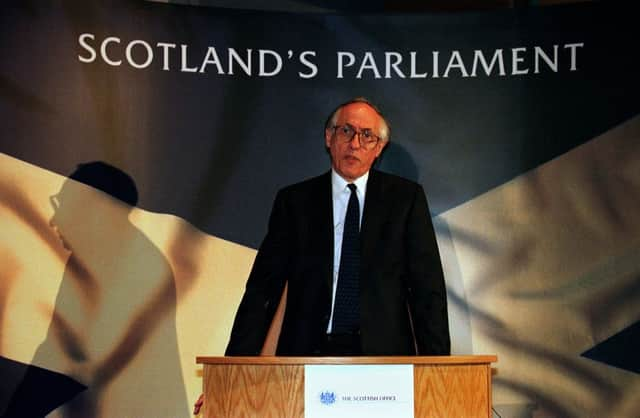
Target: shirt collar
{"points": [[339, 184]]}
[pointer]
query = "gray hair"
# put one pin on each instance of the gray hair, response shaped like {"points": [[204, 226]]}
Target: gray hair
{"points": [[385, 132]]}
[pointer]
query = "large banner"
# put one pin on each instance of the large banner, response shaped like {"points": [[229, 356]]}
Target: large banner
{"points": [[523, 127]]}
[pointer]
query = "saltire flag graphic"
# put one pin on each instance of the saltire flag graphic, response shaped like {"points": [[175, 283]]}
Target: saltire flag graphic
{"points": [[532, 173], [118, 299], [547, 267]]}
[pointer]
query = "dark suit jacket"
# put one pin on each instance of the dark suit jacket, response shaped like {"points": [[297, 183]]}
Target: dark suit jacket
{"points": [[402, 292]]}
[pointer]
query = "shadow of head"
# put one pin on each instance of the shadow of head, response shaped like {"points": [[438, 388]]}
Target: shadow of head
{"points": [[80, 211]]}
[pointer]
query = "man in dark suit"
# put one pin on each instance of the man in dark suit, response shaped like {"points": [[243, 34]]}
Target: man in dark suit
{"points": [[357, 249]]}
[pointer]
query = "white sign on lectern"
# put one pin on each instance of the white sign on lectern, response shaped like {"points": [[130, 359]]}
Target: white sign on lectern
{"points": [[354, 391]]}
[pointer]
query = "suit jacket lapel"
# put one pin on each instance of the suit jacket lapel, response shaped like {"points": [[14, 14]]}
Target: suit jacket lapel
{"points": [[372, 219], [324, 208]]}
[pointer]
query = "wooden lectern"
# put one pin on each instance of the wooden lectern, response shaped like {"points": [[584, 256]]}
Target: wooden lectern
{"points": [[451, 386]]}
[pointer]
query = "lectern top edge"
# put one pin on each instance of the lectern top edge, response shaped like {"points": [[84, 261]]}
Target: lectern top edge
{"points": [[277, 360]]}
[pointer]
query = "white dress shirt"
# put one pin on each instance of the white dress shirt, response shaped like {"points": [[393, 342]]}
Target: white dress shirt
{"points": [[340, 196]]}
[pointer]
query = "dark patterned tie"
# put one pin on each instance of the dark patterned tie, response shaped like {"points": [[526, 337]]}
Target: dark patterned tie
{"points": [[346, 313]]}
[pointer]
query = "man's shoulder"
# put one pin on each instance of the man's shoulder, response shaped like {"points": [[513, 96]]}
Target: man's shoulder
{"points": [[316, 181], [310, 185], [394, 182]]}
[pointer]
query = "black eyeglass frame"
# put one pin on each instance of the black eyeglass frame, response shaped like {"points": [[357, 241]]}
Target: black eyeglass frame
{"points": [[348, 135]]}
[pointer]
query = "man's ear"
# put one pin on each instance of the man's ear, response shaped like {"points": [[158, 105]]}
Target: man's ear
{"points": [[328, 133], [381, 148]]}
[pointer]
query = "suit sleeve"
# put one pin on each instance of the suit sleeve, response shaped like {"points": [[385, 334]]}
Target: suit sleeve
{"points": [[264, 286], [427, 290]]}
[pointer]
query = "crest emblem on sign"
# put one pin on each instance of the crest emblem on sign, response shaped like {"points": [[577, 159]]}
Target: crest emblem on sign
{"points": [[327, 398]]}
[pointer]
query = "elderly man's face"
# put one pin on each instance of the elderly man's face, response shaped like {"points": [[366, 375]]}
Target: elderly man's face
{"points": [[349, 159]]}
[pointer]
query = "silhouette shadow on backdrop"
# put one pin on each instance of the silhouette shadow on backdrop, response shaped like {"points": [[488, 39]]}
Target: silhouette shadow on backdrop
{"points": [[114, 315]]}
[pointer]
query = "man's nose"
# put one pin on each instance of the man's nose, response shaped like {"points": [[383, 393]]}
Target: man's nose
{"points": [[355, 141]]}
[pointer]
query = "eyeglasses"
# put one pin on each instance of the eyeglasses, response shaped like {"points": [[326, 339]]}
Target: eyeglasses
{"points": [[366, 138]]}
